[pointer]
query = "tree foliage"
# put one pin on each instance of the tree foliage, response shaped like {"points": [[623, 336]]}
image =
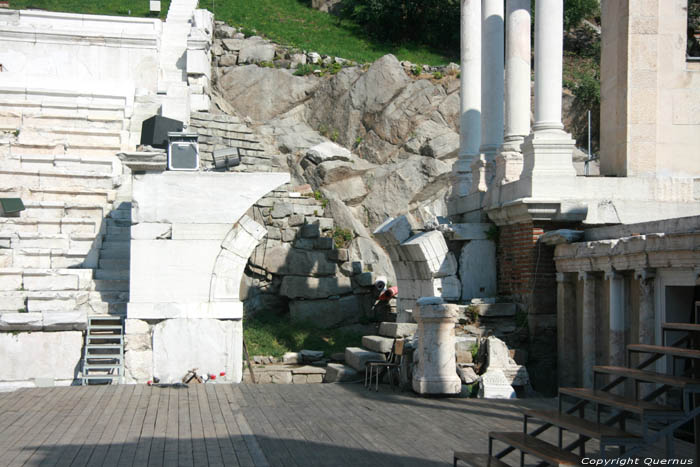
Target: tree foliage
{"points": [[431, 22], [434, 22], [576, 11]]}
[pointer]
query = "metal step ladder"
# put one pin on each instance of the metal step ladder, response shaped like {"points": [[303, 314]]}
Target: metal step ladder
{"points": [[103, 353]]}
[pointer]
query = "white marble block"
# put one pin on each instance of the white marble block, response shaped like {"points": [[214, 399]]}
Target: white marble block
{"points": [[212, 346], [477, 269], [29, 355]]}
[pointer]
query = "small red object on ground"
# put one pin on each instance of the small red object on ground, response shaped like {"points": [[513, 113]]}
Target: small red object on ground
{"points": [[223, 373], [212, 376], [149, 382]]}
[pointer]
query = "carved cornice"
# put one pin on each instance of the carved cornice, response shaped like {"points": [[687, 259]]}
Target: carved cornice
{"points": [[529, 209]]}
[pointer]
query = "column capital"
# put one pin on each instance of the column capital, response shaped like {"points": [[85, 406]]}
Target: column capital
{"points": [[613, 274], [645, 273], [586, 275]]}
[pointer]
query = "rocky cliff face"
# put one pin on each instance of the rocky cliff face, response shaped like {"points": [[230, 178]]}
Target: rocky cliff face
{"points": [[400, 131]]}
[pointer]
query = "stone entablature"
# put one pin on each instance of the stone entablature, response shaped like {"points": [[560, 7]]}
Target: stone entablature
{"points": [[659, 250]]}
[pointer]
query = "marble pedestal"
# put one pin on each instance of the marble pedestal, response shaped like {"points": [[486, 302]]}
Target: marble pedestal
{"points": [[436, 372]]}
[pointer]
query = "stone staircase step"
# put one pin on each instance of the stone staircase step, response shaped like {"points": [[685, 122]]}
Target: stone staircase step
{"points": [[114, 122], [20, 149], [536, 447], [112, 274], [107, 263], [62, 209], [76, 241], [121, 214], [65, 225], [73, 137], [397, 329], [357, 357], [67, 195], [120, 247], [118, 232], [86, 164], [52, 177], [111, 285], [339, 373], [45, 279], [378, 343]]}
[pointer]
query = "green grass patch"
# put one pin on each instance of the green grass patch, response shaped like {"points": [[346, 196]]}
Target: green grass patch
{"points": [[270, 334], [92, 7], [295, 23]]}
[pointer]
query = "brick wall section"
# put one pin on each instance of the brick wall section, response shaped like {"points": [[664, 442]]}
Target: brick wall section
{"points": [[525, 266]]}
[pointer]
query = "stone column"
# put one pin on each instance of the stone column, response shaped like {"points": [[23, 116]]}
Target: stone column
{"points": [[509, 162], [470, 94], [647, 315], [567, 361], [548, 150], [436, 372], [492, 50], [588, 328], [616, 349]]}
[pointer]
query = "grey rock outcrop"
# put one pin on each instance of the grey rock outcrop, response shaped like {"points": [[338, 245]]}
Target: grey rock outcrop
{"points": [[263, 93]]}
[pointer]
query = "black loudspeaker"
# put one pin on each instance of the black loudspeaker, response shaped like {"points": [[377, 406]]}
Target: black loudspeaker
{"points": [[154, 131]]}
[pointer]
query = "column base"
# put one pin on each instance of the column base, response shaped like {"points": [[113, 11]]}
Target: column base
{"points": [[436, 386], [509, 164], [548, 153]]}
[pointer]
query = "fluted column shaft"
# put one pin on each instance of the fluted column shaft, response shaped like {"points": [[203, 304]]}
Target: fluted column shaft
{"points": [[492, 76]]}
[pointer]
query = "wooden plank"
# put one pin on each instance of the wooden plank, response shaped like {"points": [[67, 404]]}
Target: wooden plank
{"points": [[630, 405], [11, 417], [306, 416], [114, 451], [95, 435], [171, 430], [254, 449], [57, 440], [280, 417], [228, 453], [26, 418], [51, 445], [128, 452], [210, 442], [681, 327], [649, 376], [45, 440], [155, 456], [76, 423], [143, 447], [580, 425], [478, 460], [658, 349], [16, 451], [199, 448], [229, 407], [537, 448], [184, 434], [275, 450], [89, 431], [342, 427]]}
